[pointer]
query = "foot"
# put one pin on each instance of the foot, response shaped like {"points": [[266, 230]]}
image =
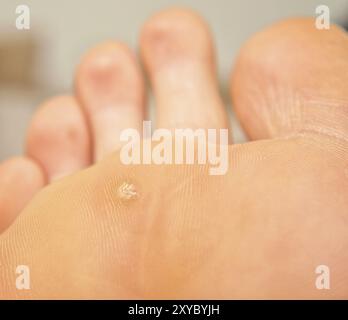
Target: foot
{"points": [[257, 232]]}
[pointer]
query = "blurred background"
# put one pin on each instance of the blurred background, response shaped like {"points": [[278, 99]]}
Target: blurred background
{"points": [[38, 63]]}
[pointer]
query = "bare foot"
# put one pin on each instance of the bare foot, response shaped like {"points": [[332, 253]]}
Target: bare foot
{"points": [[257, 232]]}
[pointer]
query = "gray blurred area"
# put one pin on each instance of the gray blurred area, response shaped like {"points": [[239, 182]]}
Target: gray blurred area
{"points": [[38, 63]]}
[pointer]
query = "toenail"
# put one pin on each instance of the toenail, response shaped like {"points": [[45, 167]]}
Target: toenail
{"points": [[127, 191]]}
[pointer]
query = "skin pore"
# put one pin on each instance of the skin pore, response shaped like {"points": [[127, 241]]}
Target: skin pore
{"points": [[257, 232]]}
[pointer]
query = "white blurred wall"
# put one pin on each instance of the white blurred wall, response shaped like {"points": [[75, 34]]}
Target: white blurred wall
{"points": [[64, 29]]}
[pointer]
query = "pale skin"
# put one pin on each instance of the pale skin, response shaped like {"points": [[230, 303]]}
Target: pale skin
{"points": [[257, 232]]}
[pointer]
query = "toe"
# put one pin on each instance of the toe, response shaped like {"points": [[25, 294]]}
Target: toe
{"points": [[292, 78], [110, 87], [58, 137], [177, 50], [20, 179]]}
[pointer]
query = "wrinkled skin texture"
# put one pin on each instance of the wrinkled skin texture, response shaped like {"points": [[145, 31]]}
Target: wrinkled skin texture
{"points": [[188, 234]]}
